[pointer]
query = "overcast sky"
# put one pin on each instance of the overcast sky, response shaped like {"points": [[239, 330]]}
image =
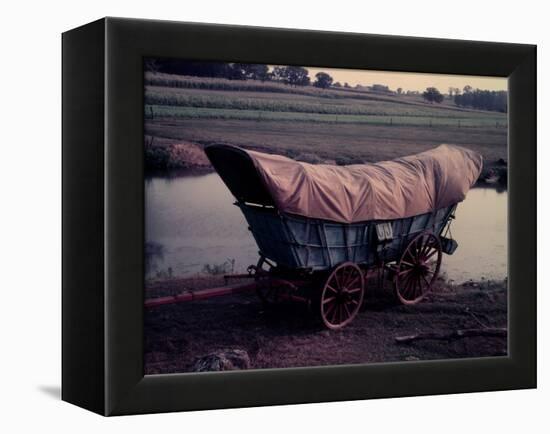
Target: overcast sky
{"points": [[411, 80]]}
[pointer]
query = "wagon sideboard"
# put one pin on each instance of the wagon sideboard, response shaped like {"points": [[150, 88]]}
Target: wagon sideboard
{"points": [[313, 244]]}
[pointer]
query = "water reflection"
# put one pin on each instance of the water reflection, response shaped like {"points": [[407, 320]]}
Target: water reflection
{"points": [[191, 225], [481, 229]]}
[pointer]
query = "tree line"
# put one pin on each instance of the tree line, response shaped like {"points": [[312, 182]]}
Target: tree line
{"points": [[291, 75], [482, 99], [473, 98]]}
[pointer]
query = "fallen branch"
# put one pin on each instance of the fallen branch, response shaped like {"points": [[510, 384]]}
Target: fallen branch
{"points": [[455, 334]]}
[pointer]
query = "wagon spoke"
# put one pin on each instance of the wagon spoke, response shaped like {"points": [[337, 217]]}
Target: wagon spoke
{"points": [[405, 280], [341, 279], [353, 281], [408, 283], [409, 289], [433, 252], [347, 310], [354, 290], [404, 272], [427, 281], [410, 277], [420, 288], [338, 280], [336, 316], [332, 289], [408, 264], [426, 247], [417, 287], [420, 284], [329, 300], [418, 247], [344, 279], [330, 309]]}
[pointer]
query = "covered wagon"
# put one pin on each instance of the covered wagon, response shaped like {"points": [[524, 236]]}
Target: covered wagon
{"points": [[321, 228]]}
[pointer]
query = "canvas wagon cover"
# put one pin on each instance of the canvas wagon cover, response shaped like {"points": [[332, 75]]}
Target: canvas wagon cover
{"points": [[399, 188]]}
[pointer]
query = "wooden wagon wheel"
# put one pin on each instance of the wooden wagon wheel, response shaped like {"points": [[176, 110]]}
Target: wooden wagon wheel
{"points": [[418, 268], [267, 292], [342, 295]]}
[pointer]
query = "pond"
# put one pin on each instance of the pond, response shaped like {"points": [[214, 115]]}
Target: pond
{"points": [[192, 226]]}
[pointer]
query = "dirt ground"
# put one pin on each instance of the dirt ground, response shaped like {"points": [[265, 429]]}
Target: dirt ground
{"points": [[289, 335]]}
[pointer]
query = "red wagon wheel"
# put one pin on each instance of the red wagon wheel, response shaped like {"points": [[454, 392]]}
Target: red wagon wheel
{"points": [[418, 268], [342, 295]]}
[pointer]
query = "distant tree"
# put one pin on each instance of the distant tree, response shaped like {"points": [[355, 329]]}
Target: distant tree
{"points": [[292, 75], [298, 76], [237, 71], [198, 69], [346, 85], [337, 84], [151, 65], [432, 95], [451, 91], [278, 73], [399, 91], [380, 88], [322, 80], [467, 88], [250, 71], [260, 72]]}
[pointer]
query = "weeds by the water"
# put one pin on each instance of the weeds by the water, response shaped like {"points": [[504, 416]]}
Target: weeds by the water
{"points": [[226, 267]]}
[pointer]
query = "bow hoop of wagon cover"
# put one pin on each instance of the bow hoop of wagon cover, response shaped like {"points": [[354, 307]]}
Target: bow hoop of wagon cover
{"points": [[386, 190]]}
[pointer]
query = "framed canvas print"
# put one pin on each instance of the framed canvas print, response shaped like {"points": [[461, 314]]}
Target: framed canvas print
{"points": [[262, 216]]}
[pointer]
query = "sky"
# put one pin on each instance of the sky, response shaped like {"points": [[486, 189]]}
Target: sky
{"points": [[411, 80]]}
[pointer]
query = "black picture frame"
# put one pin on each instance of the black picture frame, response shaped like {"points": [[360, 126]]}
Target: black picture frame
{"points": [[103, 216]]}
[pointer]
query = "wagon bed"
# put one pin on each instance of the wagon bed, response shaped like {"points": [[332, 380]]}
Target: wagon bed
{"points": [[298, 242]]}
